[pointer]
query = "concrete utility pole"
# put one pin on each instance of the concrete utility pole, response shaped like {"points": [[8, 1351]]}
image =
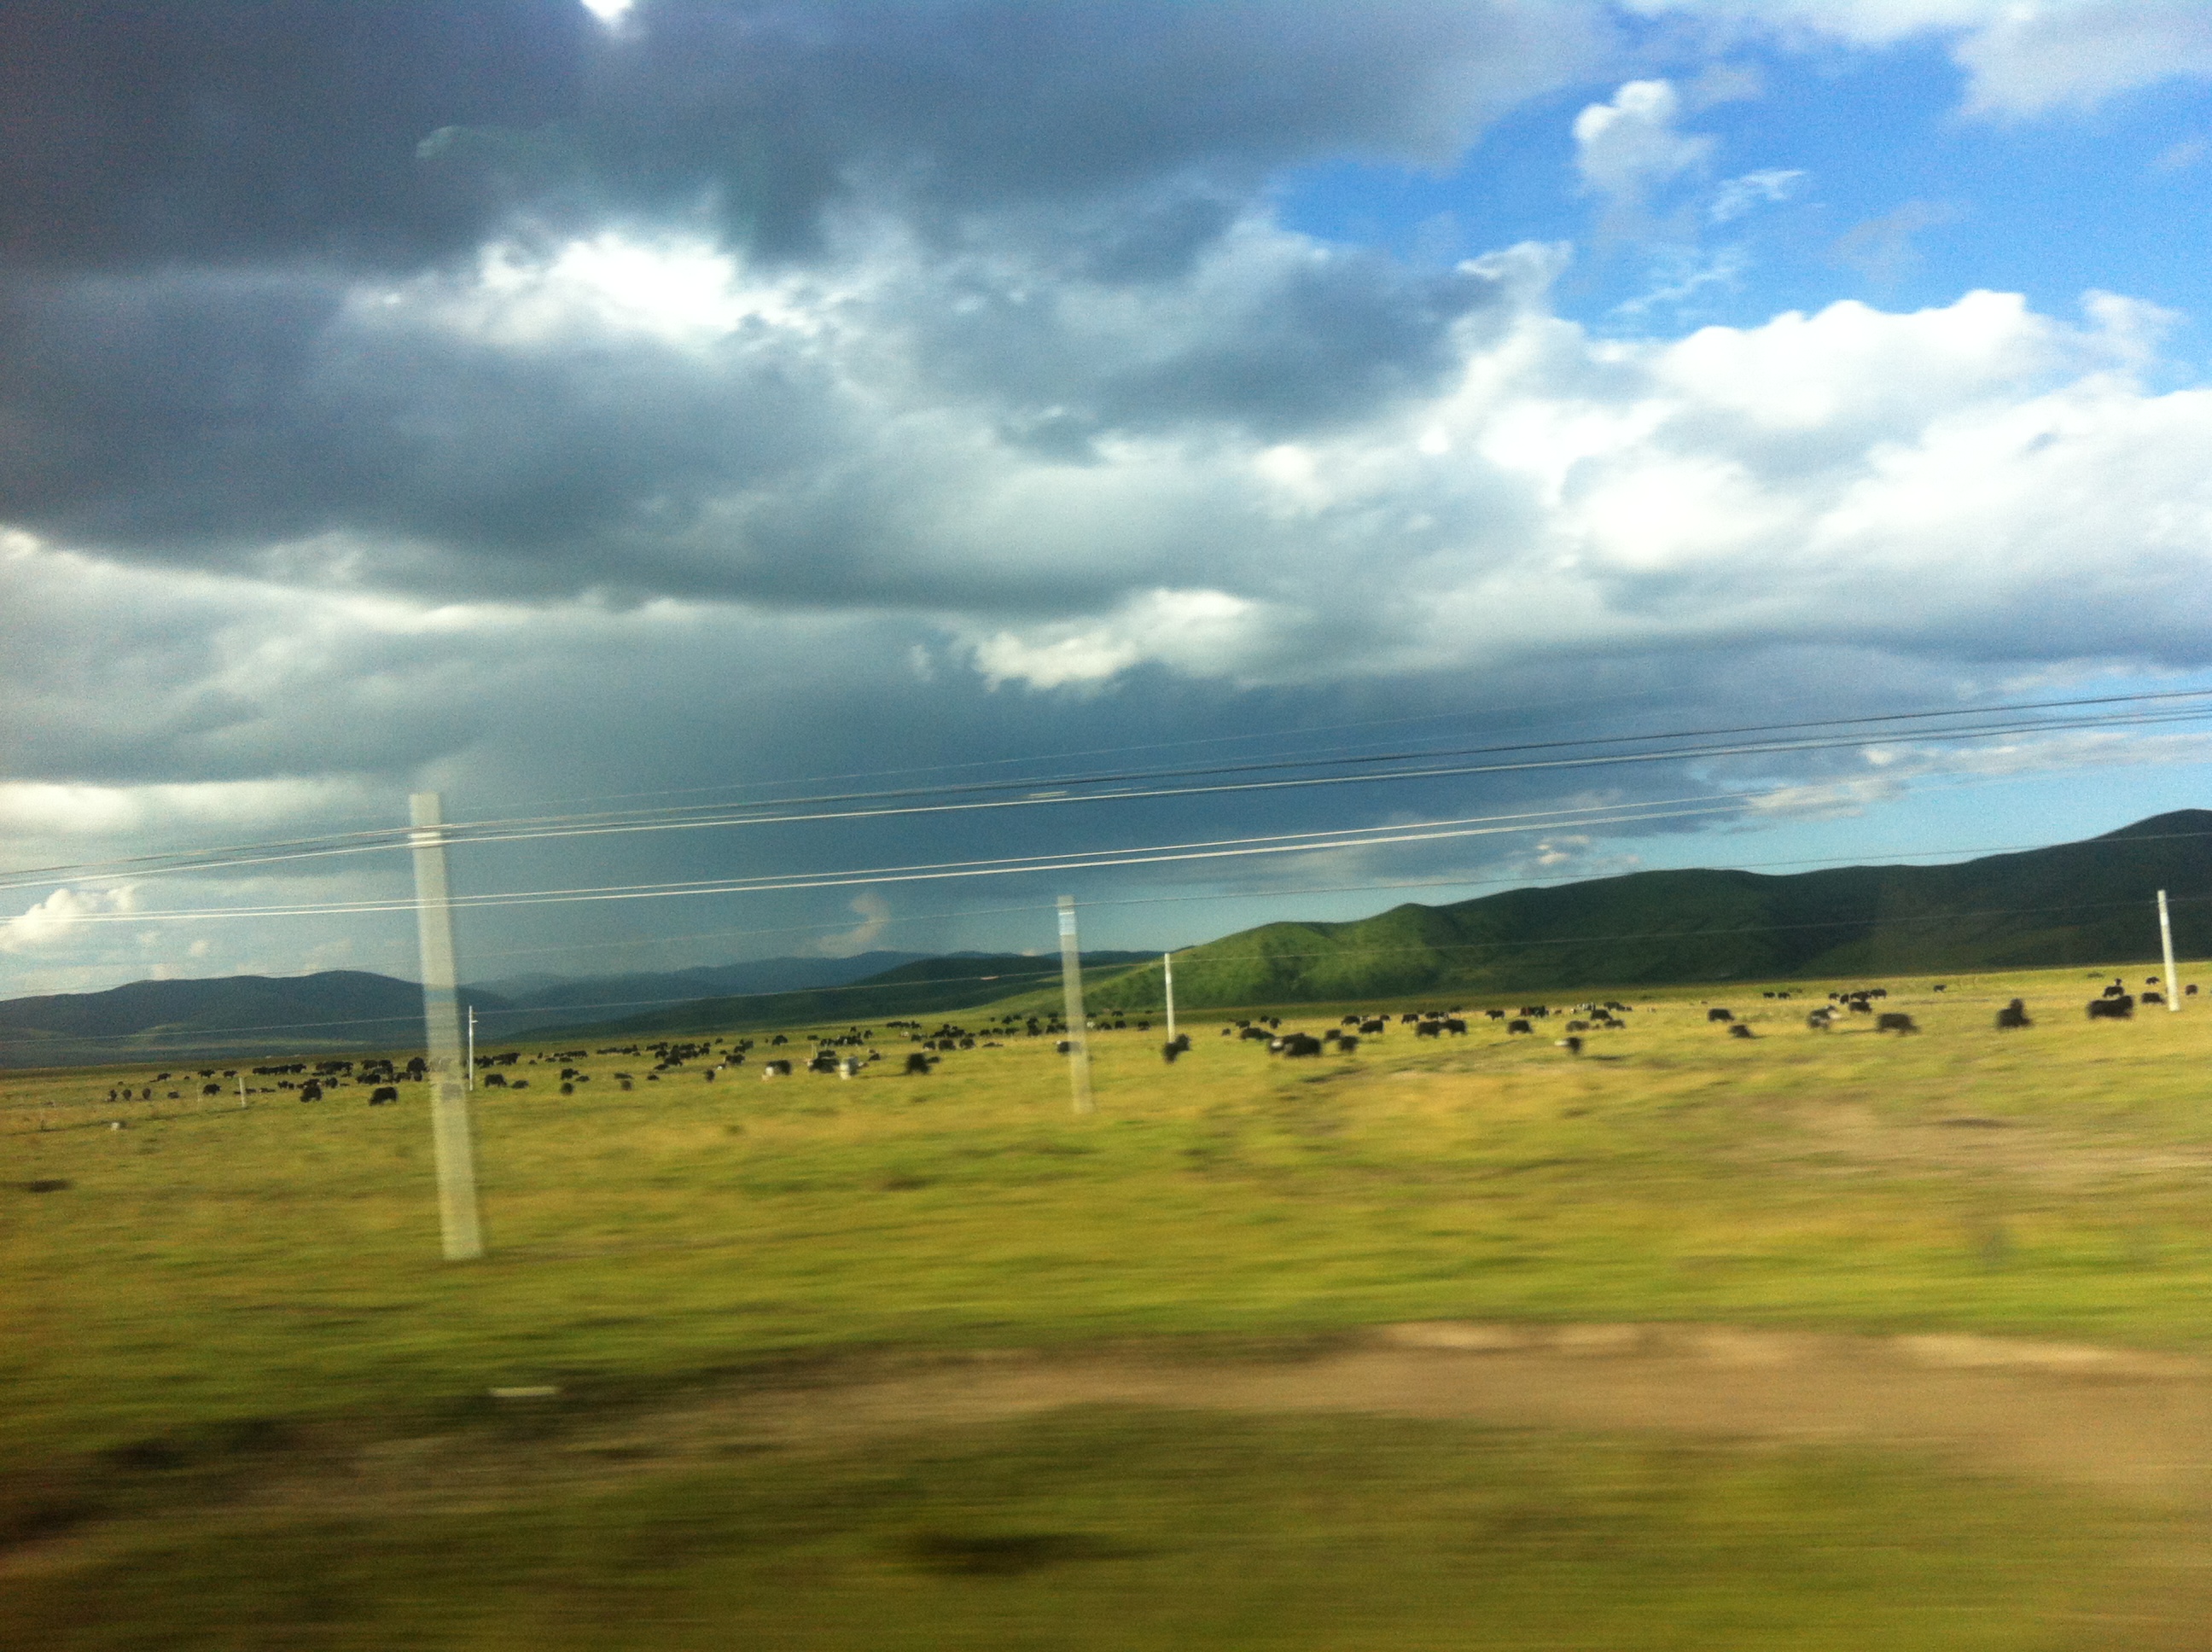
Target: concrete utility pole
{"points": [[469, 1072], [2165, 944], [1071, 983], [449, 1104], [1167, 973]]}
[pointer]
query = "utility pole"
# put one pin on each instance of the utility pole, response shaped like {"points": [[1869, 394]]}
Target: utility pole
{"points": [[1071, 983], [2165, 944], [449, 1104], [470, 1071], [1167, 972]]}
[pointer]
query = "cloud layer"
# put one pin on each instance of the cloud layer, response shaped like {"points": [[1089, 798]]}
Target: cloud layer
{"points": [[717, 392], [2022, 59]]}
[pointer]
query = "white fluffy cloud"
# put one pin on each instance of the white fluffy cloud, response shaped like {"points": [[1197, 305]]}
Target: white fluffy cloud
{"points": [[1865, 476], [1198, 633], [1739, 195], [875, 916], [1630, 147], [2032, 58], [2022, 57], [1094, 507], [57, 917]]}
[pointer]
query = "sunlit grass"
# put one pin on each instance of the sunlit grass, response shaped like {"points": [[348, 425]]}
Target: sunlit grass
{"points": [[283, 1258], [214, 1290]]}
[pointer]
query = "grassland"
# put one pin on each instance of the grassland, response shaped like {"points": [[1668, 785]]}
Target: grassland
{"points": [[220, 1299]]}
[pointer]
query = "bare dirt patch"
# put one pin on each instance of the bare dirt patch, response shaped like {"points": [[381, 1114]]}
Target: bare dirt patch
{"points": [[2135, 1423], [2129, 1427], [1849, 1137]]}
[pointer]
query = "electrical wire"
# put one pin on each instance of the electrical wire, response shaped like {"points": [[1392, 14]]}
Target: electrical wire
{"points": [[1223, 848], [1887, 855], [515, 829]]}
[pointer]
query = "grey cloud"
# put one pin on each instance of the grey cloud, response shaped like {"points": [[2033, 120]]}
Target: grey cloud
{"points": [[204, 194], [386, 133], [1334, 340], [135, 133], [1018, 356], [211, 419], [1271, 338], [579, 706], [205, 418], [976, 104], [1882, 249]]}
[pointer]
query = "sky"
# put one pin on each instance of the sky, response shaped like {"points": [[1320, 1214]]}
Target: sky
{"points": [[584, 411]]}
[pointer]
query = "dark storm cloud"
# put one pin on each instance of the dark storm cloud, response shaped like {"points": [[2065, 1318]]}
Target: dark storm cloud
{"points": [[391, 131], [232, 132], [202, 197], [1267, 342], [969, 104], [207, 416], [202, 418]]}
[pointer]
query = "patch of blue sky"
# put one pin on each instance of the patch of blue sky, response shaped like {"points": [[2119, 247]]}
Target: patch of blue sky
{"points": [[1843, 175]]}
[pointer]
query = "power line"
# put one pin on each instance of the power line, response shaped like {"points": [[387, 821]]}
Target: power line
{"points": [[1056, 798], [593, 826], [898, 802], [1290, 844], [1311, 761], [1099, 751], [1269, 894]]}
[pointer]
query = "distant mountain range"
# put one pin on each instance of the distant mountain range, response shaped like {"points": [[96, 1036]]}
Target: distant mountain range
{"points": [[246, 1015], [241, 1014], [2091, 902], [522, 1005], [2076, 903], [926, 987]]}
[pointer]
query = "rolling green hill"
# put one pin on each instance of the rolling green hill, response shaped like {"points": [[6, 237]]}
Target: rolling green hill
{"points": [[2090, 903]]}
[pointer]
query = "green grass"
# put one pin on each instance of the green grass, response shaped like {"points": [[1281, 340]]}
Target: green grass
{"points": [[284, 1258], [209, 1277], [1096, 1528]]}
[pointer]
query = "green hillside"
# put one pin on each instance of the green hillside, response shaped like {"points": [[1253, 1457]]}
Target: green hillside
{"points": [[2090, 903]]}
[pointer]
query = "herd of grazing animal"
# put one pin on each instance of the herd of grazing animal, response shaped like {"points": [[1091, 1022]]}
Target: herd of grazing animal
{"points": [[2115, 1003], [851, 1053]]}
